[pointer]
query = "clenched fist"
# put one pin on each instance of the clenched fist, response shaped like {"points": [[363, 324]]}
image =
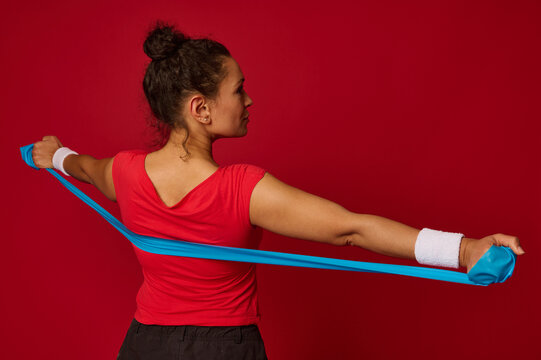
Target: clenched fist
{"points": [[474, 249], [43, 151]]}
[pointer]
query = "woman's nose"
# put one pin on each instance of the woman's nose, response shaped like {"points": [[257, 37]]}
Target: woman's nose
{"points": [[250, 101]]}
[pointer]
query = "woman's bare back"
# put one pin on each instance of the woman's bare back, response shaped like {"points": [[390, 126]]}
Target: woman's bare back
{"points": [[172, 179]]}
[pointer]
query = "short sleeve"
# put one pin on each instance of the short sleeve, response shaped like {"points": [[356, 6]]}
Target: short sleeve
{"points": [[249, 176], [118, 169], [121, 173]]}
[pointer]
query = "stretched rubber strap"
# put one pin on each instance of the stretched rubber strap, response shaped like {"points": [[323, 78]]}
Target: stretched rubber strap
{"points": [[496, 265]]}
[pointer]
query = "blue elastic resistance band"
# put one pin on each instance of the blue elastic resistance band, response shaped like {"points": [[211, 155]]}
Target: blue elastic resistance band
{"points": [[496, 265]]}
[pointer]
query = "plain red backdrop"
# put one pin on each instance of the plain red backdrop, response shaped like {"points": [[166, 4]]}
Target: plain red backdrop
{"points": [[424, 112]]}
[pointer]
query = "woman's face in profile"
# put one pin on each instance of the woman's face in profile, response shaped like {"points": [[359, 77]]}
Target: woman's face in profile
{"points": [[229, 112]]}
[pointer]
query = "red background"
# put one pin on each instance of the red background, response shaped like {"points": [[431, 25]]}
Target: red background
{"points": [[423, 112]]}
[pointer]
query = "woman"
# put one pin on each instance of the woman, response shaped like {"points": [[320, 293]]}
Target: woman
{"points": [[207, 309]]}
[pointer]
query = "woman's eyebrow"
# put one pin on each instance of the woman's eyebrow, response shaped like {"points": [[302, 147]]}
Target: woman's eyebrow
{"points": [[238, 82]]}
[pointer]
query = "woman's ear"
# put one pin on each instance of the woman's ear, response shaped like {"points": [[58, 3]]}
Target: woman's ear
{"points": [[199, 109]]}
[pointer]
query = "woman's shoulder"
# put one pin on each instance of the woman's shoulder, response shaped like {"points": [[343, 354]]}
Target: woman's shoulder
{"points": [[125, 159], [133, 151], [245, 168], [130, 153]]}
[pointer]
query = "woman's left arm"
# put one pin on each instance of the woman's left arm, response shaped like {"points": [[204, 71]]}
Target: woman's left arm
{"points": [[85, 168]]}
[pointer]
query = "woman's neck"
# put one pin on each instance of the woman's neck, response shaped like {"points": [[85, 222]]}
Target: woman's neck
{"points": [[200, 148]]}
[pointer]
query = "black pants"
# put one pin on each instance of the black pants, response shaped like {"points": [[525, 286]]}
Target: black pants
{"points": [[187, 342]]}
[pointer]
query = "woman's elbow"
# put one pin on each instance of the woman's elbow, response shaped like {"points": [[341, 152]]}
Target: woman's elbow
{"points": [[352, 230], [353, 239]]}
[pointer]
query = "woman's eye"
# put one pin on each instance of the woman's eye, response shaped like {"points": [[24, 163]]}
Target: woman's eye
{"points": [[240, 89]]}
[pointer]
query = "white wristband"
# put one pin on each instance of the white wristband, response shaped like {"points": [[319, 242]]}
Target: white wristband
{"points": [[438, 248], [59, 156]]}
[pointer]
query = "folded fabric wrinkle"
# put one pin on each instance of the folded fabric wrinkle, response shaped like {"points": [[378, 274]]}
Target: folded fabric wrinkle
{"points": [[495, 266]]}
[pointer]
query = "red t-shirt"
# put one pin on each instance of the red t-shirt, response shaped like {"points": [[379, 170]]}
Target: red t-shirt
{"points": [[187, 291]]}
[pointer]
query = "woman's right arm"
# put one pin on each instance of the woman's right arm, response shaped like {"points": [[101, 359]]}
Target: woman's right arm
{"points": [[288, 211], [85, 168]]}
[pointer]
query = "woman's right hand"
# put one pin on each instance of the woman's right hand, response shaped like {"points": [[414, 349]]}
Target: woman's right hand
{"points": [[43, 151], [471, 250]]}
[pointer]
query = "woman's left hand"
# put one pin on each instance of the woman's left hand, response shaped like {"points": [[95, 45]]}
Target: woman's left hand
{"points": [[471, 250], [43, 151]]}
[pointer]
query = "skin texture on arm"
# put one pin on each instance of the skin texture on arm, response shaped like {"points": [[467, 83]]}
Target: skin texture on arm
{"points": [[288, 211], [98, 172], [285, 210], [392, 238]]}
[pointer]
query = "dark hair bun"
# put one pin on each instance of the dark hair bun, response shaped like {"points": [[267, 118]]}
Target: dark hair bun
{"points": [[163, 41]]}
